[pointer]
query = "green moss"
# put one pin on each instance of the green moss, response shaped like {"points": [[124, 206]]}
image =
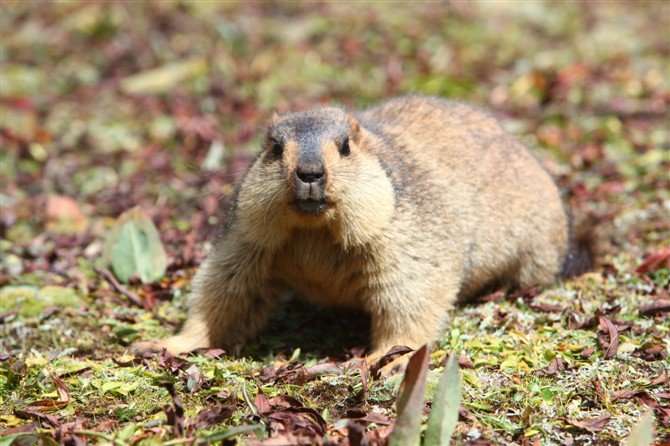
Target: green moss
{"points": [[31, 301]]}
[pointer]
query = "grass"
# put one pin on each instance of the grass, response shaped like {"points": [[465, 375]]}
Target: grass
{"points": [[89, 129]]}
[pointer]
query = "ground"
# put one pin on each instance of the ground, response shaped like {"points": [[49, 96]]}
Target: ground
{"points": [[109, 105]]}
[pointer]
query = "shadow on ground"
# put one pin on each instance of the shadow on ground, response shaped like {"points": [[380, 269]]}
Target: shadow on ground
{"points": [[316, 331]]}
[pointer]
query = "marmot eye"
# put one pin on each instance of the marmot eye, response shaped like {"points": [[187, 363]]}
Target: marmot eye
{"points": [[344, 147], [276, 147]]}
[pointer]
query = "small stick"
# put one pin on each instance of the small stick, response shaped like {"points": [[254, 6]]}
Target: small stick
{"points": [[107, 274]]}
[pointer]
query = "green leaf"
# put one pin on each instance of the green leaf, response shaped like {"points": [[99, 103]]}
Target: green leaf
{"points": [[7, 440], [642, 434], [134, 248], [162, 79], [444, 414], [407, 430], [127, 432]]}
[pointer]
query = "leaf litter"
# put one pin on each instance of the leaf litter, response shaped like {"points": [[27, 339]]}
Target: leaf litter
{"points": [[105, 107]]}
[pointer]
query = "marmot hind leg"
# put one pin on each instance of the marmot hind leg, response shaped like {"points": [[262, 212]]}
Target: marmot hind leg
{"points": [[540, 267]]}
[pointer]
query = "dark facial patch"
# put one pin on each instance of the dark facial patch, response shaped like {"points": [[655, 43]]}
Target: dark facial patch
{"points": [[343, 146], [312, 129]]}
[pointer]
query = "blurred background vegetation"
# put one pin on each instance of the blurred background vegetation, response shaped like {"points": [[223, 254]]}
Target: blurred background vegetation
{"points": [[107, 105]]}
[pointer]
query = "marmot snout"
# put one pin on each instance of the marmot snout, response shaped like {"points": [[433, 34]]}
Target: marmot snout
{"points": [[397, 210]]}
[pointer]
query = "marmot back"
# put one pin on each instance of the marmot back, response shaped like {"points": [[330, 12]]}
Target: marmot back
{"points": [[397, 210]]}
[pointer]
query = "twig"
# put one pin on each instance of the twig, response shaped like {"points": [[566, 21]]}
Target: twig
{"points": [[177, 441], [107, 274], [247, 399]]}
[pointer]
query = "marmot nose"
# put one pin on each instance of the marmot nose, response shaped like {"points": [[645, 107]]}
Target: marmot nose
{"points": [[310, 173]]}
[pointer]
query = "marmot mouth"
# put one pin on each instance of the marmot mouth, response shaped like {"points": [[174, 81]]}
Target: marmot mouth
{"points": [[311, 207]]}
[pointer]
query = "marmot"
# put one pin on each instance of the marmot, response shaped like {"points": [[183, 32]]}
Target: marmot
{"points": [[398, 210]]}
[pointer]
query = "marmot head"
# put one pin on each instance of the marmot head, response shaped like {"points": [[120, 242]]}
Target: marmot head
{"points": [[316, 169], [311, 149]]}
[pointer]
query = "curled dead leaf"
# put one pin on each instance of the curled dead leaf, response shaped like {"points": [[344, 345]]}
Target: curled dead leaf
{"points": [[595, 424], [655, 261], [609, 339]]}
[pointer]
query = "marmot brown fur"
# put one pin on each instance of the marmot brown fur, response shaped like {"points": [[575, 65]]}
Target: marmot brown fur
{"points": [[397, 210]]}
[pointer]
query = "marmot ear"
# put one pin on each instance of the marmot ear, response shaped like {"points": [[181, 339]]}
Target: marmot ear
{"points": [[274, 118], [355, 128]]}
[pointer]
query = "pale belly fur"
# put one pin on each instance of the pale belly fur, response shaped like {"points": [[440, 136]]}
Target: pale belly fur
{"points": [[318, 271]]}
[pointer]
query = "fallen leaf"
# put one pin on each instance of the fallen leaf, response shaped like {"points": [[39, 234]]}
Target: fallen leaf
{"points": [[655, 306], [162, 79], [610, 342], [587, 352], [210, 416], [465, 362], [578, 321], [48, 405], [133, 248], [556, 365], [262, 404], [28, 413], [61, 388], [64, 215], [591, 424], [655, 261], [389, 357], [660, 379], [169, 362], [652, 351], [214, 353], [300, 421], [297, 373], [193, 378]]}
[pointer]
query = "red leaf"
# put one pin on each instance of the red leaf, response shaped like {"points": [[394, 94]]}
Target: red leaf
{"points": [[660, 379], [587, 352], [556, 365], [299, 420], [655, 261], [61, 388], [591, 424], [35, 414], [410, 402], [62, 209], [392, 354], [262, 404], [651, 351], [213, 415], [464, 361], [607, 327], [655, 306], [52, 405]]}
